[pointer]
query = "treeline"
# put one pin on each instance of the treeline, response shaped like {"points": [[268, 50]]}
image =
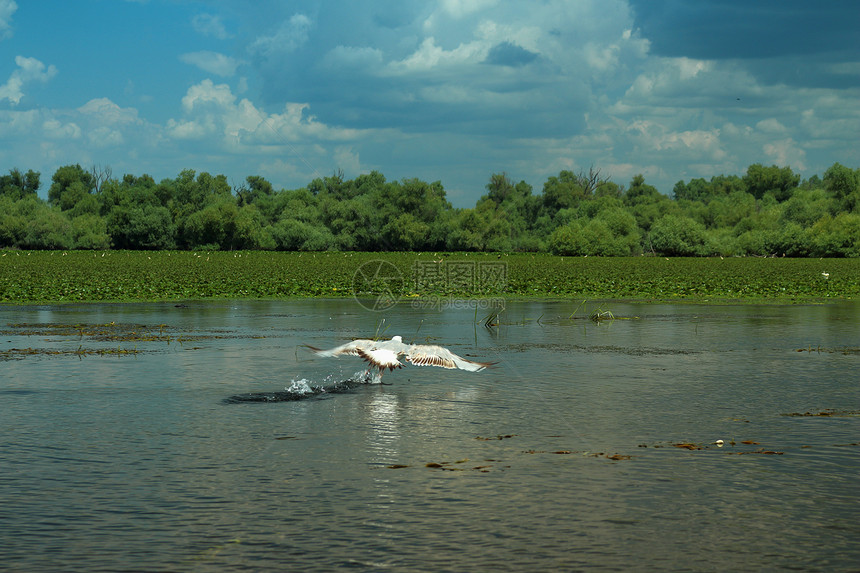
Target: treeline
{"points": [[768, 211]]}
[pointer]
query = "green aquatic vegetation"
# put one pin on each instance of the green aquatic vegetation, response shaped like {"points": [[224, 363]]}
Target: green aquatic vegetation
{"points": [[110, 332], [78, 276], [80, 352], [92, 339], [827, 413]]}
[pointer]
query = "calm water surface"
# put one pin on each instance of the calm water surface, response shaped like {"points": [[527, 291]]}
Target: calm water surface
{"points": [[137, 437]]}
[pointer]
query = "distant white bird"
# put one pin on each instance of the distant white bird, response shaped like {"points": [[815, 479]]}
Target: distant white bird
{"points": [[382, 354]]}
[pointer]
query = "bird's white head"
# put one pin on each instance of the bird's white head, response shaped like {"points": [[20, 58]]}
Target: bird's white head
{"points": [[397, 339]]}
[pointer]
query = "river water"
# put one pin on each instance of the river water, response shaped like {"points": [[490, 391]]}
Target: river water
{"points": [[204, 437]]}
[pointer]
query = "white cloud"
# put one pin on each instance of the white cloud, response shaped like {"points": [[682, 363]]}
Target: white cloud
{"points": [[29, 70], [14, 124], [206, 92], [107, 112], [55, 129], [346, 158], [429, 56], [602, 57], [667, 78], [770, 125], [210, 25], [7, 8], [652, 136], [461, 8], [450, 90], [102, 137], [213, 110], [212, 62], [688, 68], [293, 34], [351, 57], [187, 129], [786, 153]]}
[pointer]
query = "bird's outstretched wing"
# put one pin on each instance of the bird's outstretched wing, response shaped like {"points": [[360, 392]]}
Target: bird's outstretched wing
{"points": [[429, 355], [382, 358], [353, 348]]}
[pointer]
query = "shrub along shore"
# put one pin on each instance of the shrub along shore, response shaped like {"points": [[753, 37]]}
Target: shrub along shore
{"points": [[31, 277]]}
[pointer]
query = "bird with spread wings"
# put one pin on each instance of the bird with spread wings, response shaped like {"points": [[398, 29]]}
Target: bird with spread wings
{"points": [[385, 354]]}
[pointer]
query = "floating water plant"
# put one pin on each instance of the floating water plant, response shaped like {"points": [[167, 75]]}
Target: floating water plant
{"points": [[37, 276]]}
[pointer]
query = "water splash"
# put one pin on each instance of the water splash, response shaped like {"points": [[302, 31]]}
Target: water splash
{"points": [[371, 376], [304, 389], [300, 387]]}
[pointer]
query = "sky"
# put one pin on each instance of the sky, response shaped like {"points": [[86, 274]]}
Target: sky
{"points": [[442, 90]]}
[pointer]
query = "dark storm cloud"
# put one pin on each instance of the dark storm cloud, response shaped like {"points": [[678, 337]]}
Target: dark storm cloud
{"points": [[725, 29], [508, 54]]}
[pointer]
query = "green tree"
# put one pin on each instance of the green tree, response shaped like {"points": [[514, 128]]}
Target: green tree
{"points": [[640, 192], [70, 185], [695, 190], [779, 182], [562, 192], [843, 184], [727, 211], [255, 188], [794, 240], [145, 226], [250, 232], [678, 235], [48, 228], [806, 207], [837, 236], [296, 235], [519, 209], [355, 223], [405, 232], [90, 232], [17, 185], [13, 223], [201, 191], [483, 228], [211, 228], [610, 232]]}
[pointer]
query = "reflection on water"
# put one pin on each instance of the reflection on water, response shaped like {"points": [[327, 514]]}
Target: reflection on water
{"points": [[146, 436]]}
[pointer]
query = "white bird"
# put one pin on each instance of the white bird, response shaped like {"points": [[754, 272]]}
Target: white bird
{"points": [[382, 354]]}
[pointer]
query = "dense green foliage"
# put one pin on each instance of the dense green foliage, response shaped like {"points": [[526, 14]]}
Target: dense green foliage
{"points": [[55, 276], [768, 211]]}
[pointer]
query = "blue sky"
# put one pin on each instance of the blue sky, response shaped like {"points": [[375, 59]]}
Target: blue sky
{"points": [[441, 90]]}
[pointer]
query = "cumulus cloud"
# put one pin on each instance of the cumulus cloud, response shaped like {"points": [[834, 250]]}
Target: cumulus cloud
{"points": [[786, 152], [770, 125], [212, 62], [212, 109], [29, 70], [7, 9], [454, 90], [54, 128], [653, 136], [105, 123], [109, 113], [429, 56]]}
